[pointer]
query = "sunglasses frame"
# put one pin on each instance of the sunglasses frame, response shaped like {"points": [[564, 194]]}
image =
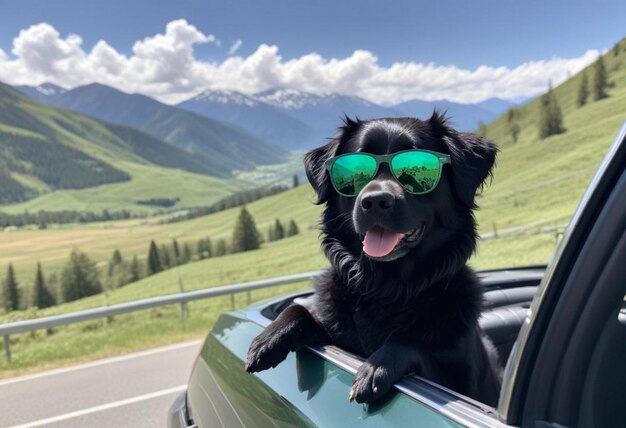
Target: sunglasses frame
{"points": [[386, 159]]}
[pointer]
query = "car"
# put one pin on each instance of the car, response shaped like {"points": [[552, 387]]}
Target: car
{"points": [[561, 330]]}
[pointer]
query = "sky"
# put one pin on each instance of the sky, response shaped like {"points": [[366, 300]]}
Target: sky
{"points": [[385, 51]]}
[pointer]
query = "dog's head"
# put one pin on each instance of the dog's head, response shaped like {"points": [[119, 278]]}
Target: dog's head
{"points": [[385, 221]]}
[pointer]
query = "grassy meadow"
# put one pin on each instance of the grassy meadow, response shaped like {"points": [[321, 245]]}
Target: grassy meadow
{"points": [[535, 182], [192, 189]]}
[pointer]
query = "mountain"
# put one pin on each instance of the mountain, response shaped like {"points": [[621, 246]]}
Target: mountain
{"points": [[41, 92], [45, 149], [324, 113], [222, 147], [291, 119], [257, 117], [498, 106]]}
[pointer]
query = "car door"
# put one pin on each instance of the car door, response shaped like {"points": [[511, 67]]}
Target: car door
{"points": [[569, 365]]}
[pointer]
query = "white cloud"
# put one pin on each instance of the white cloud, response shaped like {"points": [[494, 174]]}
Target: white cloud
{"points": [[235, 47], [164, 66]]}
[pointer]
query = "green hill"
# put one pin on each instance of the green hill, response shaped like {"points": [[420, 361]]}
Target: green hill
{"points": [[75, 162], [539, 180]]}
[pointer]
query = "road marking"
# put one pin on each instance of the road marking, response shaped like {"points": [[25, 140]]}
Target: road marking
{"points": [[95, 409], [102, 362]]}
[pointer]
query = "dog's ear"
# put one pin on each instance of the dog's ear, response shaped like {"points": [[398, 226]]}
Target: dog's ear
{"points": [[315, 168], [315, 160], [472, 157]]}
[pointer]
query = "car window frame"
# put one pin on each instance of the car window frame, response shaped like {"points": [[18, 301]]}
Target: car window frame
{"points": [[524, 356]]}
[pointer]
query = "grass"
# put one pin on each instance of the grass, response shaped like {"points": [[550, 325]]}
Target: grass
{"points": [[535, 180]]}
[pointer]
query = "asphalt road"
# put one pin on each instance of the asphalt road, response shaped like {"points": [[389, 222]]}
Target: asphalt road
{"points": [[134, 390]]}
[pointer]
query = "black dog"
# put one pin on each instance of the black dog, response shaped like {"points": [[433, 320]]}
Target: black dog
{"points": [[415, 309]]}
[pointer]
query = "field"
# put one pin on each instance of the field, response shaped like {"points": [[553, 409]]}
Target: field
{"points": [[536, 182]]}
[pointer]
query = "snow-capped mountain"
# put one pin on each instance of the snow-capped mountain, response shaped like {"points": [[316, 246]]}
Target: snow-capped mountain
{"points": [[292, 99], [324, 112], [255, 116], [225, 97], [41, 92]]}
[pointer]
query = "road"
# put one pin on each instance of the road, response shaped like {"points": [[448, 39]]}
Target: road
{"points": [[133, 390]]}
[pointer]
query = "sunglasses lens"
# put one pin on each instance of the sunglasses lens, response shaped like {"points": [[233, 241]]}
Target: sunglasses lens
{"points": [[350, 173], [417, 172]]}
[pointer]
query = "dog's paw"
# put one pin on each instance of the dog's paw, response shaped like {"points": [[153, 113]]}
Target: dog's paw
{"points": [[377, 375], [371, 383], [266, 351]]}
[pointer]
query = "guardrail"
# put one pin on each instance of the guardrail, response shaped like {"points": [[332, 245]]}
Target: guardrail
{"points": [[138, 305], [182, 298]]}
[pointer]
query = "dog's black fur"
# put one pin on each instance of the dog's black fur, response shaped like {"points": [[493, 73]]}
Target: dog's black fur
{"points": [[415, 310]]}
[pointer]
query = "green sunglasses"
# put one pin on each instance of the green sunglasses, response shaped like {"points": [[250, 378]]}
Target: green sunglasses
{"points": [[418, 171]]}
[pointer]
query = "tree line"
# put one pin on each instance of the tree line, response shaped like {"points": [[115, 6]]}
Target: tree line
{"points": [[44, 218], [80, 276]]}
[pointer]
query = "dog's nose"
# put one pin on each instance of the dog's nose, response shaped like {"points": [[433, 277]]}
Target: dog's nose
{"points": [[378, 201]]}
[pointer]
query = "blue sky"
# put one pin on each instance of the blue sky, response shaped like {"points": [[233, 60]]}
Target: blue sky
{"points": [[463, 35]]}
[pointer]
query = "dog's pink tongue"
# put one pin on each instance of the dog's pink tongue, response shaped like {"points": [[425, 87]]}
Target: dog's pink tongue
{"points": [[379, 242]]}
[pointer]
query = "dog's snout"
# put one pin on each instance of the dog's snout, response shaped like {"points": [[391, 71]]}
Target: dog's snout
{"points": [[378, 201]]}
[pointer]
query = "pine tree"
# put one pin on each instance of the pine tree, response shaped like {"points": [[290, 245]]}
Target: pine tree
{"points": [[279, 230], [208, 247], [165, 257], [116, 260], [201, 250], [187, 254], [42, 297], [296, 181], [482, 128], [154, 261], [292, 229], [53, 285], [246, 237], [616, 48], [583, 91], [221, 248], [175, 253], [600, 83], [513, 127], [79, 277], [550, 116], [135, 270], [10, 293]]}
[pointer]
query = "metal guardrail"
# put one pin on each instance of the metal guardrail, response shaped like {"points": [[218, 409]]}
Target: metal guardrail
{"points": [[138, 305], [182, 298]]}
